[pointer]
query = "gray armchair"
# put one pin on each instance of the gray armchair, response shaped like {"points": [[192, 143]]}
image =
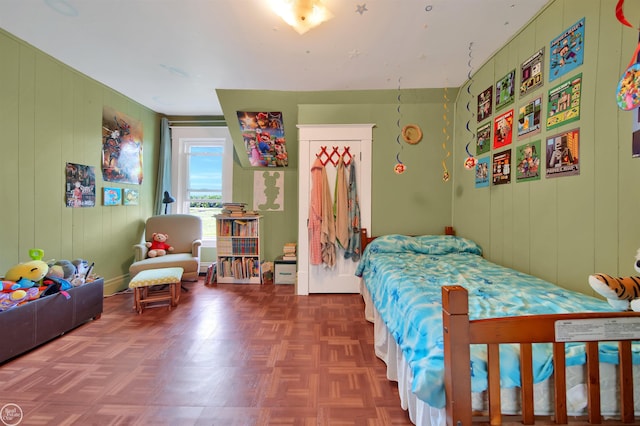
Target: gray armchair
{"points": [[185, 236]]}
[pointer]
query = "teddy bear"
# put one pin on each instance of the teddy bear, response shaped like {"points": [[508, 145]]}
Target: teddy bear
{"points": [[158, 245], [622, 293]]}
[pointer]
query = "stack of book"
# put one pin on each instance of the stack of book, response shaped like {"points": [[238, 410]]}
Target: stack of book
{"points": [[289, 251], [234, 209]]}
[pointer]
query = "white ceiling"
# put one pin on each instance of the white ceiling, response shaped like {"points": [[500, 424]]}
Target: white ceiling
{"points": [[171, 55]]}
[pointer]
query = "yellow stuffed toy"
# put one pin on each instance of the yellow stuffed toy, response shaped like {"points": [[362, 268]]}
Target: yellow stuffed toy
{"points": [[27, 274], [622, 293]]}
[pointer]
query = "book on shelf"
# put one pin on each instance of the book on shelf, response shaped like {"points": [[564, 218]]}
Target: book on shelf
{"points": [[290, 257]]}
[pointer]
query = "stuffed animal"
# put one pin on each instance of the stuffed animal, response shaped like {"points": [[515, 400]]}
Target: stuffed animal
{"points": [[27, 274], [158, 246], [621, 292]]}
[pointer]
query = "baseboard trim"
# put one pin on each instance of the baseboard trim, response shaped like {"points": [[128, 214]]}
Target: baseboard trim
{"points": [[115, 285]]}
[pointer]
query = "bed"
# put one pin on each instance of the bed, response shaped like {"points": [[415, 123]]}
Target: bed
{"points": [[439, 307]]}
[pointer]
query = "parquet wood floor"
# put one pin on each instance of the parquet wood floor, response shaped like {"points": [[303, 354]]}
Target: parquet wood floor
{"points": [[227, 355]]}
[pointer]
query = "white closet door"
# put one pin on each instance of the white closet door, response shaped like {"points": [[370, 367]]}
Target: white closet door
{"points": [[357, 138]]}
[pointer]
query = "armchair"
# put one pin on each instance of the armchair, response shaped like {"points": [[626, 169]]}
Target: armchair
{"points": [[185, 236]]}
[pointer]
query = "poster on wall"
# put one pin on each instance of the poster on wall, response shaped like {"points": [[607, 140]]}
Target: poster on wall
{"points": [[563, 154], [506, 90], [531, 75], [80, 185], [503, 129], [482, 172], [485, 104], [566, 52], [563, 104], [121, 147], [501, 167], [528, 161], [268, 191], [529, 117], [483, 141], [111, 196], [264, 141]]}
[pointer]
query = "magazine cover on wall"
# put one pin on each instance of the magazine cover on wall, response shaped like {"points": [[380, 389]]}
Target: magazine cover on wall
{"points": [[566, 52], [501, 167], [482, 172], [505, 90], [528, 162], [80, 185], [564, 102], [121, 147], [263, 134], [531, 76], [485, 104], [483, 141], [503, 129], [563, 154], [529, 117]]}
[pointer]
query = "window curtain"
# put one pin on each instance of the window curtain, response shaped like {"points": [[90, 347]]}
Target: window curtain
{"points": [[164, 166]]}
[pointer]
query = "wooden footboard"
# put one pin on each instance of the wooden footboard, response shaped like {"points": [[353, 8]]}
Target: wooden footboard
{"points": [[556, 329]]}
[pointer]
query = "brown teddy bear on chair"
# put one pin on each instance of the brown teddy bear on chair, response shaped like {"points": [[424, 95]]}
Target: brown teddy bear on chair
{"points": [[158, 245]]}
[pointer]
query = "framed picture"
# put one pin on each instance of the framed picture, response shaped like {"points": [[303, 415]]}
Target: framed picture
{"points": [[130, 197], [503, 129], [563, 152], [111, 196], [529, 117], [502, 167], [485, 104], [483, 141], [506, 90], [531, 75], [528, 162], [564, 102], [566, 52]]}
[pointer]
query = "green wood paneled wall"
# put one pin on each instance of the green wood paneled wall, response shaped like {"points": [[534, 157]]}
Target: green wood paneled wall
{"points": [[50, 115], [562, 229]]}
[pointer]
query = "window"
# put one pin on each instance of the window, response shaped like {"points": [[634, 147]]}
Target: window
{"points": [[202, 174]]}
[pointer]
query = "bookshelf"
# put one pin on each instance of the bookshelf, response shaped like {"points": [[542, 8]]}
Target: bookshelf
{"points": [[239, 254]]}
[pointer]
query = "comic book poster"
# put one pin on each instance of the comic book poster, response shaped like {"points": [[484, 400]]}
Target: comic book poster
{"points": [[483, 141], [485, 104], [528, 161], [502, 167], [563, 154], [503, 129], [531, 75], [482, 172], [121, 147], [563, 105], [566, 52], [529, 117], [505, 90], [80, 181], [264, 141]]}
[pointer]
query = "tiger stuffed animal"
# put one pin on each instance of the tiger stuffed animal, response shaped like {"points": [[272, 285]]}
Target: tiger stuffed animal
{"points": [[621, 292]]}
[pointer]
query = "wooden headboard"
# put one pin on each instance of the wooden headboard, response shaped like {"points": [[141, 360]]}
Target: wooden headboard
{"points": [[365, 239]]}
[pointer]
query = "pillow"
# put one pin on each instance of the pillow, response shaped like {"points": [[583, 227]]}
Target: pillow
{"points": [[425, 244]]}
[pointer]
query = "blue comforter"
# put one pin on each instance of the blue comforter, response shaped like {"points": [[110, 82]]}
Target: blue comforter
{"points": [[404, 276]]}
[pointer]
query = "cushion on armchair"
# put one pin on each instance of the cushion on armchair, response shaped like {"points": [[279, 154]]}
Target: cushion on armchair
{"points": [[185, 233]]}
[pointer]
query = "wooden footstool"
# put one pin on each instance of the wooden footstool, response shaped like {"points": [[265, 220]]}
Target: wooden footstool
{"points": [[145, 291]]}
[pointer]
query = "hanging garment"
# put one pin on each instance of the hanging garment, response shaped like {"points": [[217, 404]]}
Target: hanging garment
{"points": [[328, 233], [353, 249], [341, 207], [314, 224]]}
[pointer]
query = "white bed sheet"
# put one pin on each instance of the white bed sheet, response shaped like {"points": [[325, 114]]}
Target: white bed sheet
{"points": [[421, 414]]}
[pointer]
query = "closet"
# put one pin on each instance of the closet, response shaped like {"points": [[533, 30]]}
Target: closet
{"points": [[352, 142]]}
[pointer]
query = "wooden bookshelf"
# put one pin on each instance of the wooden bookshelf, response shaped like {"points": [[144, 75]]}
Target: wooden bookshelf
{"points": [[238, 249]]}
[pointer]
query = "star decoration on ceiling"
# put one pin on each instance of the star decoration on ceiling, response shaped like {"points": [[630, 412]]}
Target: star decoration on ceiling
{"points": [[354, 53], [361, 8]]}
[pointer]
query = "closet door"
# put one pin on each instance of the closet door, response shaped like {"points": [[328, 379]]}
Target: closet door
{"points": [[353, 142]]}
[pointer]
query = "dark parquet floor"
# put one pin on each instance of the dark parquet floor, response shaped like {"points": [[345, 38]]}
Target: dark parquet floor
{"points": [[227, 355]]}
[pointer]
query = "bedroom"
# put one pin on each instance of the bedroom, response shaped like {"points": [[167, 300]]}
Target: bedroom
{"points": [[560, 229]]}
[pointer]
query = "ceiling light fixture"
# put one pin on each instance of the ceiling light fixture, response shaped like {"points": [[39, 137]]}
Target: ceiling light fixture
{"points": [[302, 15]]}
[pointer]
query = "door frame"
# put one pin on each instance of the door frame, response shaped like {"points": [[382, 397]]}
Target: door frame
{"points": [[330, 133]]}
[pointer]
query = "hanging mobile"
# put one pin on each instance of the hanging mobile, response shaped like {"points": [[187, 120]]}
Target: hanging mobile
{"points": [[471, 161], [399, 168], [628, 90]]}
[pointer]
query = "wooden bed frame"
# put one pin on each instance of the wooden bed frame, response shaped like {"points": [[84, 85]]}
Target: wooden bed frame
{"points": [[460, 333]]}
